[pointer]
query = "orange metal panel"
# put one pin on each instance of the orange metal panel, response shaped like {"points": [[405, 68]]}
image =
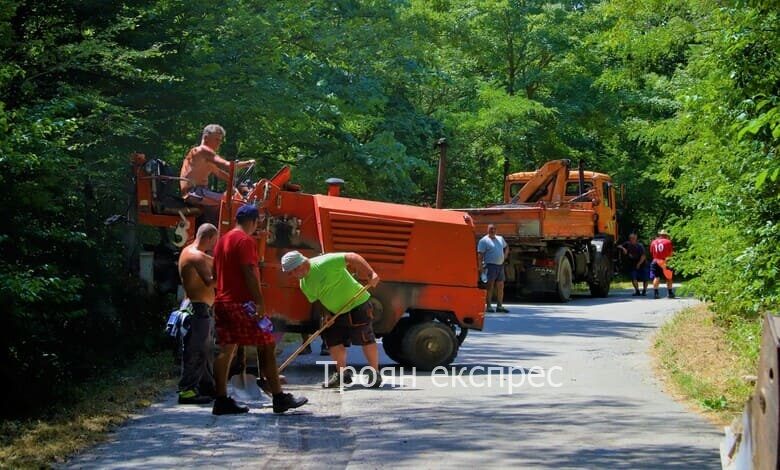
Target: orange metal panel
{"points": [[425, 257], [564, 222], [424, 245], [469, 304]]}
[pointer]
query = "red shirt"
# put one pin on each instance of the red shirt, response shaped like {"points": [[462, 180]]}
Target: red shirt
{"points": [[661, 248], [233, 250]]}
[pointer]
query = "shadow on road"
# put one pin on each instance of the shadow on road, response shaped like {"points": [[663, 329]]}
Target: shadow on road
{"points": [[538, 321], [609, 435]]}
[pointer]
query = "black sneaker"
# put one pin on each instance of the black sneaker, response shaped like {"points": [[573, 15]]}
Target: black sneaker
{"points": [[192, 397], [228, 406], [636, 294], [324, 350], [671, 294], [656, 295], [501, 309], [374, 379], [489, 310], [335, 380], [644, 293], [285, 401]]}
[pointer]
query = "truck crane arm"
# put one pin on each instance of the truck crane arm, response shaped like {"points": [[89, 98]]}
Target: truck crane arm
{"points": [[537, 186]]}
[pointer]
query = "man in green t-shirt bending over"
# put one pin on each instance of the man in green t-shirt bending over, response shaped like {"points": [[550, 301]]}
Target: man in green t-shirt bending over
{"points": [[327, 279]]}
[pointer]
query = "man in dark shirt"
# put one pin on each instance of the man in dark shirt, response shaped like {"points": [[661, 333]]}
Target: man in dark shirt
{"points": [[637, 263]]}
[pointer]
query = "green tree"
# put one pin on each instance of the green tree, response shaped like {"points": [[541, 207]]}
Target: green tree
{"points": [[60, 285], [705, 75]]}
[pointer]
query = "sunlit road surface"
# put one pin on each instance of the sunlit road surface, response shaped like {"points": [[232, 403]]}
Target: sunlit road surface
{"points": [[544, 386]]}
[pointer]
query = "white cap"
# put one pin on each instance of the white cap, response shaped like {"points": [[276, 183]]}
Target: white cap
{"points": [[292, 260]]}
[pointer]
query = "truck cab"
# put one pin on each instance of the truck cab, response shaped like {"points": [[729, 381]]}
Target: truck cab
{"points": [[597, 186]]}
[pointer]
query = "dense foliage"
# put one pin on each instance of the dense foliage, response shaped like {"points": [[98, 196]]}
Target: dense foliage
{"points": [[706, 81], [676, 99]]}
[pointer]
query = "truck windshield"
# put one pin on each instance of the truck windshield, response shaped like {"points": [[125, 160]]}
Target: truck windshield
{"points": [[572, 187], [515, 188]]}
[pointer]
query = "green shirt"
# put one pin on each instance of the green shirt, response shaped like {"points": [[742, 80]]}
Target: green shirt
{"points": [[329, 282]]}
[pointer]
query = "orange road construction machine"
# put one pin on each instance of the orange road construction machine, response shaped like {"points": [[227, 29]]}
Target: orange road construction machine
{"points": [[428, 298]]}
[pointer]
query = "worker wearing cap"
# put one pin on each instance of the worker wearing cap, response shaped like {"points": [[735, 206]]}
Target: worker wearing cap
{"points": [[327, 279], [661, 249], [239, 312]]}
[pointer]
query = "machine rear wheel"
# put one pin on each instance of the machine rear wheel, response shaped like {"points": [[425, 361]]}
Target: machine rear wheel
{"points": [[430, 344], [564, 280], [392, 342]]}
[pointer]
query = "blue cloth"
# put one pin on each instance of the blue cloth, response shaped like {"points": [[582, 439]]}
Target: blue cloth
{"points": [[492, 249]]}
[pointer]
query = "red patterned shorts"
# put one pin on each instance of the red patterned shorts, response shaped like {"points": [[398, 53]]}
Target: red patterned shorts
{"points": [[235, 326]]}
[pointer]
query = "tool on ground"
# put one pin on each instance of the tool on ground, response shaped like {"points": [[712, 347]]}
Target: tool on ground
{"points": [[245, 387], [324, 327]]}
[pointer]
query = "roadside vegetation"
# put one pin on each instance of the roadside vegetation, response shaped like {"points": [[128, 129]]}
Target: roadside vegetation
{"points": [[707, 363], [84, 414]]}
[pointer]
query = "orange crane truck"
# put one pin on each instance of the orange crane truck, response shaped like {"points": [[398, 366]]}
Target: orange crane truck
{"points": [[560, 225], [428, 298]]}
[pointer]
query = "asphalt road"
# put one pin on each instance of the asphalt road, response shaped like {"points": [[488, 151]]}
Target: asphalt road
{"points": [[544, 386]]}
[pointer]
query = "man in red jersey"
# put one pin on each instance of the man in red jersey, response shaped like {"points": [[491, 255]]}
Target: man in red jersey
{"points": [[661, 249], [239, 313]]}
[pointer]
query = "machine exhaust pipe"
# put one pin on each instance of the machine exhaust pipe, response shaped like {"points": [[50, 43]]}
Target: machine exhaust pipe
{"points": [[442, 144], [334, 186], [581, 168]]}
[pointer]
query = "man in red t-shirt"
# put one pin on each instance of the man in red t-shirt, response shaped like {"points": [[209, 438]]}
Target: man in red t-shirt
{"points": [[240, 315], [661, 249]]}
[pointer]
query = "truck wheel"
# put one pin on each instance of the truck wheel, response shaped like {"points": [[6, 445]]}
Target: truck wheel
{"points": [[392, 341], [430, 344], [602, 275], [564, 280]]}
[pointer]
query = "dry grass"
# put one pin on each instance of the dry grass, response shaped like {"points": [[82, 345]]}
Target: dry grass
{"points": [[702, 366], [71, 427]]}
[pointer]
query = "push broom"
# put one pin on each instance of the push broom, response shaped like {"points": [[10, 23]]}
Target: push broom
{"points": [[324, 327]]}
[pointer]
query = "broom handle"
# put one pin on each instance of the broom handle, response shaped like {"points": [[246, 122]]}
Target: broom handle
{"points": [[324, 327]]}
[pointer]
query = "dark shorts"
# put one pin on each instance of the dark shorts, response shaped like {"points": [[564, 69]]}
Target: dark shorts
{"points": [[638, 274], [657, 271], [495, 272], [353, 327], [235, 326]]}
